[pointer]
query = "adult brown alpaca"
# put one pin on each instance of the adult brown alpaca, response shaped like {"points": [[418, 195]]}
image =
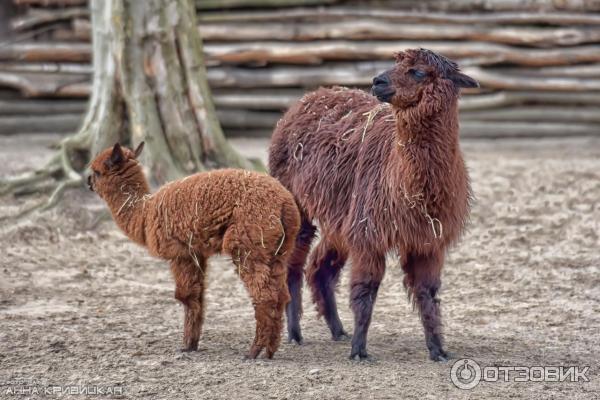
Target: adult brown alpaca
{"points": [[245, 214], [377, 178]]}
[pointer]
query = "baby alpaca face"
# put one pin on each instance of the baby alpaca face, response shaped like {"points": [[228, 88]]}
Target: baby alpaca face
{"points": [[110, 163], [420, 76]]}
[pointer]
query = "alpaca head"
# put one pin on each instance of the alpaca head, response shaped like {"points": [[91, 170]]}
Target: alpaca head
{"points": [[110, 164], [420, 78]]}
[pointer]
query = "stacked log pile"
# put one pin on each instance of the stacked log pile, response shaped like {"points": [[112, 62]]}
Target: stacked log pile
{"points": [[539, 67]]}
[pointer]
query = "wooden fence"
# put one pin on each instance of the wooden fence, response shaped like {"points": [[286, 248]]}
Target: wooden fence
{"points": [[538, 65]]}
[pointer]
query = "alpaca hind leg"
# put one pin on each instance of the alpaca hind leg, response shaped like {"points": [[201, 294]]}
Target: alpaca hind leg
{"points": [[267, 287], [423, 281], [367, 273], [190, 283], [294, 280], [322, 275], [277, 283]]}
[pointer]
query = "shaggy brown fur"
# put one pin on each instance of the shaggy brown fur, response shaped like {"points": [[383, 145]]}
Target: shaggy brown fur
{"points": [[245, 214], [377, 177]]}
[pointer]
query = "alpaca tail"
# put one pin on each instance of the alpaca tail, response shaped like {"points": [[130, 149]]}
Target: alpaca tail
{"points": [[290, 219]]}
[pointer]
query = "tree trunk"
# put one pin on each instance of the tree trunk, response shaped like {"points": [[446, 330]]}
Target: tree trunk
{"points": [[148, 63], [149, 85]]}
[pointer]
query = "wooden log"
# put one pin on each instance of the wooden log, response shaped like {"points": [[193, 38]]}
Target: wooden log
{"points": [[44, 52], [41, 107], [361, 74], [36, 17], [506, 98], [496, 130], [59, 123], [245, 119], [316, 52], [369, 29], [494, 79], [336, 50], [572, 71], [545, 114], [51, 3], [492, 5], [375, 29], [336, 13], [257, 99], [216, 4], [49, 67], [345, 13], [47, 85], [347, 74]]}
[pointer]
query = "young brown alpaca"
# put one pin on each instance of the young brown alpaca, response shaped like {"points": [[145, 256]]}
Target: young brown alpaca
{"points": [[377, 177], [245, 214]]}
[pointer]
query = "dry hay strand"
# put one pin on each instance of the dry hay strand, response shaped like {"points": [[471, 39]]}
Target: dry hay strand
{"points": [[282, 233], [193, 254], [345, 134], [299, 148], [437, 234], [371, 117]]}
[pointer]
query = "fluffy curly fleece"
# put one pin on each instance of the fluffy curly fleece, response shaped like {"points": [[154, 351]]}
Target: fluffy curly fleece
{"points": [[379, 174], [245, 214]]}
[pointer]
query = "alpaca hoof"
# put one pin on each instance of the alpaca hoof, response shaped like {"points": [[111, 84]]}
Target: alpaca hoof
{"points": [[341, 337], [298, 341], [190, 347], [439, 355], [253, 353], [360, 354], [295, 336], [363, 358]]}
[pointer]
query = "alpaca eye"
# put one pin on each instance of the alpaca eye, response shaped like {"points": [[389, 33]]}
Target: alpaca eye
{"points": [[417, 74], [96, 173]]}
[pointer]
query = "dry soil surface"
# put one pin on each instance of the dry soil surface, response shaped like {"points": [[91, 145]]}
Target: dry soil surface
{"points": [[87, 307]]}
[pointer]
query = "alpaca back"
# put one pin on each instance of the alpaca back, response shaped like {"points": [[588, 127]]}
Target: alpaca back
{"points": [[195, 212], [330, 146]]}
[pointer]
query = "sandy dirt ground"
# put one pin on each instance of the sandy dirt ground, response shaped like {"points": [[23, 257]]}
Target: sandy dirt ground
{"points": [[87, 307]]}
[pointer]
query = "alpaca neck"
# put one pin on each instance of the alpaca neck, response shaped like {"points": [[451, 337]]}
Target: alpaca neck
{"points": [[127, 205], [428, 147]]}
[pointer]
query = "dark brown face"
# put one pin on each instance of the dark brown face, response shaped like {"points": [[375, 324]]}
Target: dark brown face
{"points": [[109, 163], [418, 73]]}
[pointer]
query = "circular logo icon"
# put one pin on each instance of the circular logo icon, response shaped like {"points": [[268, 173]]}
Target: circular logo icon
{"points": [[465, 374]]}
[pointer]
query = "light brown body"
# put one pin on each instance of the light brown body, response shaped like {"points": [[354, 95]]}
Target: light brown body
{"points": [[247, 215]]}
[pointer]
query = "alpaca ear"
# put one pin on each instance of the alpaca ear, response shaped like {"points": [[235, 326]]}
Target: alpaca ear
{"points": [[116, 157], [138, 150], [464, 81]]}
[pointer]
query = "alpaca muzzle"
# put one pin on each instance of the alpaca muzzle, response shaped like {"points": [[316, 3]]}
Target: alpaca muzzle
{"points": [[382, 88]]}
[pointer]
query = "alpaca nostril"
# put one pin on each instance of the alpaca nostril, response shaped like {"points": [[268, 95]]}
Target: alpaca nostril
{"points": [[379, 81]]}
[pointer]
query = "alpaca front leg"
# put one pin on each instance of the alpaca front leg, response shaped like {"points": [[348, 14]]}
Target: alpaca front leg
{"points": [[367, 273], [423, 281], [190, 282], [322, 275], [294, 280]]}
